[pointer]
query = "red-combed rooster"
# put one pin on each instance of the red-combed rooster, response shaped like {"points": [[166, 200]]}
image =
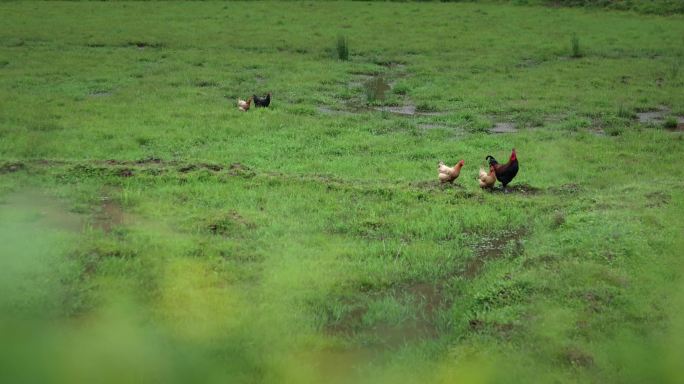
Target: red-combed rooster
{"points": [[505, 172]]}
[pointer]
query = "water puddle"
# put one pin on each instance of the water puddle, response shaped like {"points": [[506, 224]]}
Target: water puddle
{"points": [[493, 246], [376, 88], [110, 216], [36, 230], [42, 210], [329, 111], [652, 117], [658, 117], [425, 301]]}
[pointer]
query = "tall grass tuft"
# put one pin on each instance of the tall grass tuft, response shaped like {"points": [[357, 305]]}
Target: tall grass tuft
{"points": [[575, 46], [342, 48], [675, 66], [624, 112]]}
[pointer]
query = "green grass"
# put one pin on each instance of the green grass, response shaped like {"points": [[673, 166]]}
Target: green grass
{"points": [[152, 232]]}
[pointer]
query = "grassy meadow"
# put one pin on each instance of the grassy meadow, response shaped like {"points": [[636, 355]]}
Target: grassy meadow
{"points": [[151, 232]]}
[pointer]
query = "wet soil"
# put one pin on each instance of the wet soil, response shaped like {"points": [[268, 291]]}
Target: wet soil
{"points": [[110, 214], [429, 298], [44, 210], [11, 167], [504, 128], [493, 246], [658, 117]]}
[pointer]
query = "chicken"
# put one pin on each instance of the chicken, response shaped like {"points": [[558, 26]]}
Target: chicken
{"points": [[487, 180], [505, 172], [262, 101], [449, 174], [244, 105]]}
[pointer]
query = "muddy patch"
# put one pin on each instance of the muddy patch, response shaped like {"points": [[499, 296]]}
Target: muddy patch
{"points": [[657, 199], [408, 109], [149, 160], [456, 189], [661, 117], [429, 126], [427, 298], [193, 167], [206, 84], [570, 188], [491, 247], [144, 44], [100, 93], [110, 214], [436, 184], [502, 330], [125, 172], [329, 111], [376, 88], [230, 223], [597, 131], [504, 128], [679, 127], [11, 167], [520, 189], [43, 210], [241, 170], [403, 110], [576, 357], [652, 117]]}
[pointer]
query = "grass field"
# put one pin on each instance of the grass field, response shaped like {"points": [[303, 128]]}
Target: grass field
{"points": [[151, 232]]}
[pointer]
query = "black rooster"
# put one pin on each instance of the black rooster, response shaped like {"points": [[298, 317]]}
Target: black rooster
{"points": [[504, 172], [262, 101]]}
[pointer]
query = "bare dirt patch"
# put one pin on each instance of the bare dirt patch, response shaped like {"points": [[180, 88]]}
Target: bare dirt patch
{"points": [[504, 128], [193, 167], [228, 224], [241, 170], [570, 188], [521, 189], [144, 44], [503, 330], [680, 125]]}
